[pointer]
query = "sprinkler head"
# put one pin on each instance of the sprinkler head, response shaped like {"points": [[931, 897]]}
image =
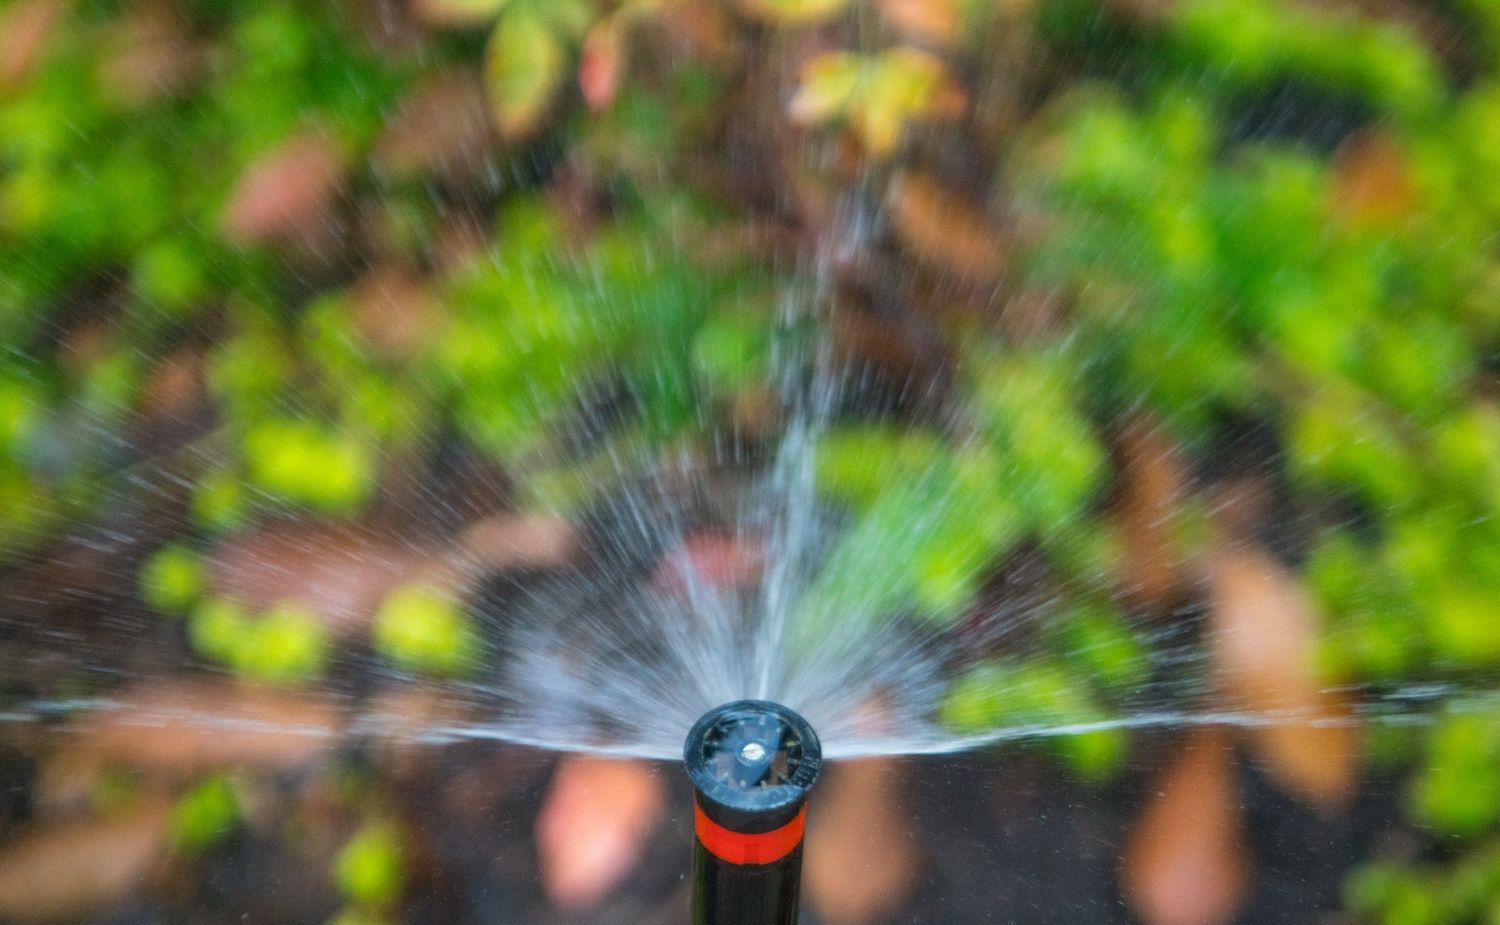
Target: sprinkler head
{"points": [[752, 763]]}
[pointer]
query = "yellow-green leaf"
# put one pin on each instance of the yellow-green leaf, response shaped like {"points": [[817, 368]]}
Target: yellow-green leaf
{"points": [[828, 85], [523, 68], [792, 12], [875, 96], [369, 869], [458, 12]]}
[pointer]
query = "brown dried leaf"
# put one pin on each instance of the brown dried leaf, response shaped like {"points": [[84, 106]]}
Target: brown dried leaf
{"points": [[943, 228], [174, 387], [884, 347], [86, 344], [72, 871], [717, 560], [1154, 479], [289, 192], [861, 857], [184, 727], [1264, 634], [460, 241], [339, 572], [400, 717], [441, 127], [150, 56], [934, 21], [1185, 862], [457, 14], [593, 826], [387, 27], [701, 30], [395, 312], [524, 541], [1031, 315], [25, 30], [1371, 180], [755, 413]]}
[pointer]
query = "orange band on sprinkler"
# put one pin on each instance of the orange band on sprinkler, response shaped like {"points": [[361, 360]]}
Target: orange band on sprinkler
{"points": [[740, 848]]}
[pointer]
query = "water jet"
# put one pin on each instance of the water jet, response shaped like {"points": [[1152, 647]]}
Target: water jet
{"points": [[752, 763]]}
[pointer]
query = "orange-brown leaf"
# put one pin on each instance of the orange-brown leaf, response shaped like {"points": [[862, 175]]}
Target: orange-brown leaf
{"points": [[25, 31], [1185, 861], [150, 56], [943, 228], [1264, 638], [174, 387], [180, 728], [442, 127], [712, 559], [935, 21], [75, 870], [517, 541], [1154, 482], [395, 312], [338, 572], [593, 826], [1372, 182], [862, 859], [288, 191]]}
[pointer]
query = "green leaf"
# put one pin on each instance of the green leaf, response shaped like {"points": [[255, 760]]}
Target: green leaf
{"points": [[731, 350], [306, 462], [793, 12], [219, 501], [829, 82], [206, 814], [523, 68], [876, 95], [1039, 694], [288, 643], [1459, 792], [422, 628], [369, 868], [173, 579], [857, 464], [1096, 638], [216, 627]]}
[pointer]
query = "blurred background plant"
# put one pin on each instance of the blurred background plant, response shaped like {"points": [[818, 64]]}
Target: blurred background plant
{"points": [[1178, 320]]}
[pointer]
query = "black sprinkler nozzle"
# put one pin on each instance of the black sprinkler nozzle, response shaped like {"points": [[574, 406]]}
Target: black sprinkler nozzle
{"points": [[752, 763]]}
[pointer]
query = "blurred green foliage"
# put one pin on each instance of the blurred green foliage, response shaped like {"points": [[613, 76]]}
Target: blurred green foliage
{"points": [[286, 643], [1043, 695], [173, 579], [423, 629], [1463, 892], [206, 814], [1344, 292], [368, 869], [1348, 299]]}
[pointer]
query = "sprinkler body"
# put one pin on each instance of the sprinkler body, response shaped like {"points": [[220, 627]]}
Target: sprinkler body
{"points": [[751, 763]]}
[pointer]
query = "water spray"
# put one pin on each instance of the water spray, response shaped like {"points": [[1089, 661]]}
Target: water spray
{"points": [[752, 763]]}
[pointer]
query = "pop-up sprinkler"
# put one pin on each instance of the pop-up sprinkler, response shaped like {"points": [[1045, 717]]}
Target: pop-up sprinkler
{"points": [[752, 763]]}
